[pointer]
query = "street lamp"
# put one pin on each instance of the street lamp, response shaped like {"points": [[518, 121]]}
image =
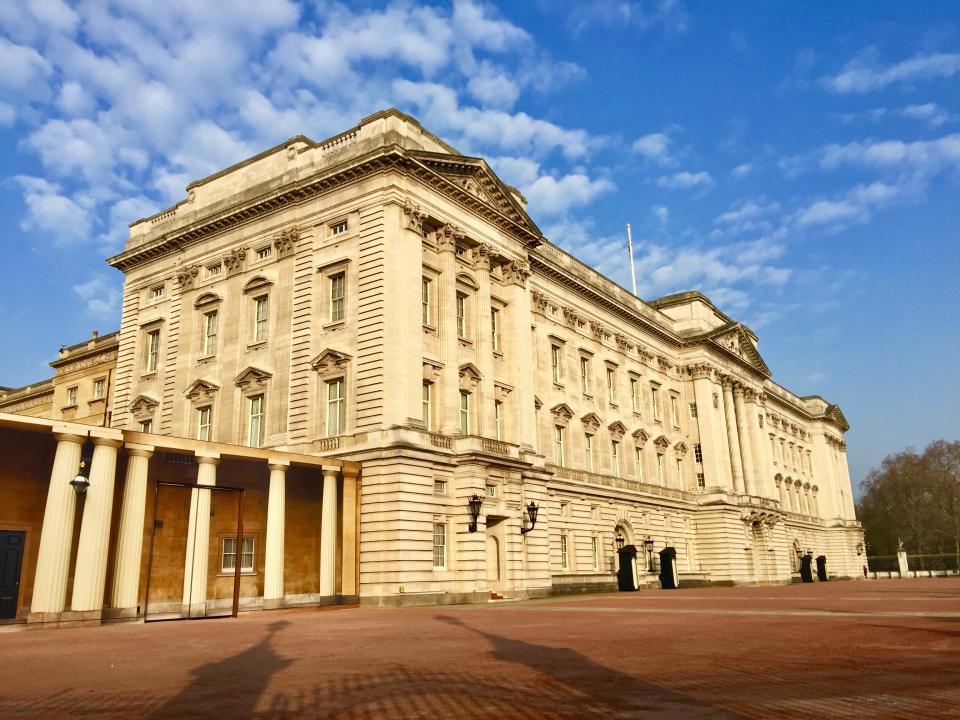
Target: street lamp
{"points": [[648, 546], [532, 511], [81, 482], [474, 503], [859, 548], [620, 540]]}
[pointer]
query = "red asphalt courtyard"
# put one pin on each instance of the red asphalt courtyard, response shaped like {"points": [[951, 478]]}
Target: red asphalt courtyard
{"points": [[877, 649]]}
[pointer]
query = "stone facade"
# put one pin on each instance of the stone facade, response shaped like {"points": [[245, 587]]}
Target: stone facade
{"points": [[380, 297]]}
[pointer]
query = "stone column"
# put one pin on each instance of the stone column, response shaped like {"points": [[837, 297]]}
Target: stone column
{"points": [[90, 573], [349, 580], [328, 532], [273, 560], [56, 535], [519, 351], [198, 537], [762, 473], [708, 419], [449, 396], [482, 258], [126, 578], [843, 480], [814, 505], [743, 431], [733, 438]]}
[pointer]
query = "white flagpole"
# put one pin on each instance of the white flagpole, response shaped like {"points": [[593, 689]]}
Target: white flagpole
{"points": [[633, 273]]}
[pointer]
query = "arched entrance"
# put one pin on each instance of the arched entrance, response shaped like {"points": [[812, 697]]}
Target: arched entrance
{"points": [[493, 559]]}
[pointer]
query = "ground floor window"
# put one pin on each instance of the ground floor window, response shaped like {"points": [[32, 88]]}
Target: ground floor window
{"points": [[439, 546], [228, 562], [564, 557]]}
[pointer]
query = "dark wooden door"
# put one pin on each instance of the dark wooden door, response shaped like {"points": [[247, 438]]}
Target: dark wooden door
{"points": [[11, 560]]}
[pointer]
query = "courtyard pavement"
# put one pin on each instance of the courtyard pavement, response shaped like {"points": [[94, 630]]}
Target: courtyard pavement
{"points": [[877, 649]]}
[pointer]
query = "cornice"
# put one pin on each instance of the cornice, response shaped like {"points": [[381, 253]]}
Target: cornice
{"points": [[381, 160]]}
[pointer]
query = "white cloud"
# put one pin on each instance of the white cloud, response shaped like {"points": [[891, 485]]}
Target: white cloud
{"points": [[662, 213], [685, 179], [516, 171], [863, 74], [741, 171], [923, 156], [930, 113], [25, 70], [854, 207], [7, 115], [550, 196], [746, 210], [654, 147], [101, 297], [493, 87], [667, 14], [52, 213]]}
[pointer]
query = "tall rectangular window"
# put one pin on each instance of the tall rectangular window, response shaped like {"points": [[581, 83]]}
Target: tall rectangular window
{"points": [[255, 425], [210, 333], [679, 472], [495, 329], [428, 404], [338, 288], [634, 395], [336, 408], [660, 478], [588, 451], [71, 396], [585, 375], [464, 412], [595, 552], [461, 316], [555, 362], [99, 387], [655, 401], [228, 559], [693, 410], [638, 462], [564, 556], [698, 453], [204, 422], [439, 545], [153, 350], [260, 318], [615, 458], [558, 444], [611, 385], [426, 292], [701, 483], [497, 418], [674, 411], [773, 450]]}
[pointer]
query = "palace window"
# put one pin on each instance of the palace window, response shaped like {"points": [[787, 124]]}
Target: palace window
{"points": [[558, 444], [638, 462], [679, 472], [71, 396], [464, 412], [439, 546], [615, 458], [99, 388], [588, 448], [264, 252], [564, 556], [146, 426], [156, 292], [214, 270], [634, 395], [461, 316], [339, 227], [439, 487], [491, 490], [152, 351], [660, 478], [260, 318], [611, 385], [773, 450], [426, 300], [204, 422], [495, 329], [701, 483], [210, 333], [675, 411], [698, 453], [428, 404], [693, 410], [338, 286], [585, 375], [228, 558], [555, 362], [595, 552], [336, 408], [655, 401], [256, 422], [497, 408]]}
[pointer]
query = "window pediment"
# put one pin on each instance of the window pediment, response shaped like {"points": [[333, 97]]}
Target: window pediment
{"points": [[257, 283], [470, 376], [464, 279], [329, 361], [641, 436], [662, 443], [617, 429], [561, 414], [207, 299], [591, 421], [680, 448], [143, 405], [201, 390], [252, 378]]}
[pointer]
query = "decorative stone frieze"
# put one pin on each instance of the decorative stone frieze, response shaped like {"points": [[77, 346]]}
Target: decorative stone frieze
{"points": [[187, 275], [516, 272], [252, 380], [591, 422], [540, 301], [233, 260], [447, 236], [623, 343], [597, 329], [561, 414], [617, 430], [285, 242]]}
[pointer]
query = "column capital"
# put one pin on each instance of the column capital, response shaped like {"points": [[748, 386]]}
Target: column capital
{"points": [[137, 450], [350, 473], [278, 464], [106, 441], [329, 470], [208, 459], [69, 437]]}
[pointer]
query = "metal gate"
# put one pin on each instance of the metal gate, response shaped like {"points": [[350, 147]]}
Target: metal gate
{"points": [[177, 548]]}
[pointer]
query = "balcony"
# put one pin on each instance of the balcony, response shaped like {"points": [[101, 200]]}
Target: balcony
{"points": [[619, 483]]}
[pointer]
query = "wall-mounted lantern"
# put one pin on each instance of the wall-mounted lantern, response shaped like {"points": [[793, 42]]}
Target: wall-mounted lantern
{"points": [[474, 504], [532, 511], [648, 546], [82, 481]]}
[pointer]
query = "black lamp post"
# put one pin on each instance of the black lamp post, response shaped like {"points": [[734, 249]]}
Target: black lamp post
{"points": [[620, 540], [532, 511], [648, 546], [860, 548], [82, 481], [474, 503]]}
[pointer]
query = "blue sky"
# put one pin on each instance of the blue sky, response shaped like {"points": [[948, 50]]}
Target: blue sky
{"points": [[797, 162]]}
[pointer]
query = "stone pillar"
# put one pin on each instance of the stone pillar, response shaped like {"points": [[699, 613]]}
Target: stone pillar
{"points": [[349, 579], [519, 351], [782, 490], [743, 431], [198, 537], [56, 535], [708, 418], [273, 559], [449, 396], [843, 480], [733, 438], [488, 423], [126, 578], [762, 463], [328, 532], [90, 573]]}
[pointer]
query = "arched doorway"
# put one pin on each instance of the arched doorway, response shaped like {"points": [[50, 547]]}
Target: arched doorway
{"points": [[493, 559]]}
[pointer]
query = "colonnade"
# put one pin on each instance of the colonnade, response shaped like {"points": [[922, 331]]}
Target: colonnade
{"points": [[748, 463], [89, 578]]}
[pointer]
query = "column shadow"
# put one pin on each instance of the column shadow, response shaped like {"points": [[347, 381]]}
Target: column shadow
{"points": [[246, 674]]}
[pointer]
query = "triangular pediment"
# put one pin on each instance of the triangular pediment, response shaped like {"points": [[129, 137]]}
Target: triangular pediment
{"points": [[735, 340], [834, 413], [591, 421], [641, 436], [201, 388], [562, 410], [471, 371], [680, 448], [143, 403], [475, 177], [330, 359], [661, 442], [252, 376], [617, 428]]}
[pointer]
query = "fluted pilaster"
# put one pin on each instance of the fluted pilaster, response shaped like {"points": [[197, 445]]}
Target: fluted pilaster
{"points": [[126, 580]]}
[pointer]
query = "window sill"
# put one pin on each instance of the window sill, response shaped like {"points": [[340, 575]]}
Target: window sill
{"points": [[152, 375], [69, 407], [558, 386], [206, 359], [95, 401], [256, 345], [431, 329], [464, 342], [614, 405], [637, 413], [243, 573], [588, 397], [498, 354], [336, 325]]}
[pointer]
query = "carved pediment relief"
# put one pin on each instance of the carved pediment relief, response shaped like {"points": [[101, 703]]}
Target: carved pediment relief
{"points": [[736, 341], [432, 370], [662, 443], [591, 421], [286, 241], [258, 282], [470, 376], [201, 390], [537, 403], [680, 448], [330, 361], [561, 414], [233, 260], [187, 275], [207, 299], [252, 379], [143, 405], [501, 390], [617, 429], [641, 436], [834, 414]]}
